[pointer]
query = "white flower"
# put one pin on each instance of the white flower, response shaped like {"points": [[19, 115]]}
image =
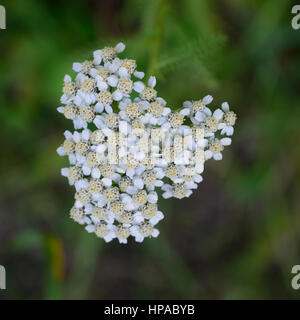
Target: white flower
{"points": [[142, 231], [192, 107], [228, 122], [103, 230], [108, 53], [216, 147], [125, 148], [122, 233], [146, 93], [150, 213]]}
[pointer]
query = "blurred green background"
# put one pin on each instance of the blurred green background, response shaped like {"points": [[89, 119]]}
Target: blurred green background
{"points": [[237, 236]]}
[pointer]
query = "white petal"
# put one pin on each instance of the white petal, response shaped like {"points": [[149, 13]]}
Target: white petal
{"points": [[166, 126], [97, 56], [96, 173], [94, 72], [85, 134], [99, 107], [123, 241], [68, 134], [120, 47], [120, 170], [198, 178], [131, 190], [218, 156], [107, 182], [81, 184], [207, 112], [229, 131], [123, 72], [187, 104], [64, 172], [208, 154], [95, 219], [76, 66], [199, 167], [98, 122], [188, 194], [139, 238], [101, 202], [144, 105], [109, 237], [138, 182], [60, 109], [159, 183], [90, 228], [152, 82], [116, 177], [81, 78], [218, 114], [117, 95], [167, 195], [159, 216], [155, 233], [225, 106], [199, 116], [207, 99], [226, 141], [124, 127], [221, 126], [108, 132], [76, 136], [61, 151], [112, 81], [109, 219], [167, 187], [130, 173], [113, 66], [185, 111], [102, 85], [88, 208], [138, 218], [130, 205], [161, 100], [78, 204], [108, 109], [72, 159], [101, 148], [139, 74], [67, 78], [86, 170], [152, 197], [138, 86], [166, 111], [78, 100]]}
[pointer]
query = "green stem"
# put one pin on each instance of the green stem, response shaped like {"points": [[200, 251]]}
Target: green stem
{"points": [[157, 39]]}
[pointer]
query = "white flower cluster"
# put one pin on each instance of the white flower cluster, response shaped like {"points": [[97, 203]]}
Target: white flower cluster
{"points": [[127, 143]]}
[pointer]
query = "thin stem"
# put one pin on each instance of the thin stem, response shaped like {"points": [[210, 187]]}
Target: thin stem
{"points": [[159, 24]]}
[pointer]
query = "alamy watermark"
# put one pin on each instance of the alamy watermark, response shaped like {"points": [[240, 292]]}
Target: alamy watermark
{"points": [[296, 279], [2, 17], [2, 278], [155, 146], [296, 19]]}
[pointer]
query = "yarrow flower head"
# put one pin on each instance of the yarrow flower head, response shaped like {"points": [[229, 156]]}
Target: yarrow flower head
{"points": [[127, 144]]}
